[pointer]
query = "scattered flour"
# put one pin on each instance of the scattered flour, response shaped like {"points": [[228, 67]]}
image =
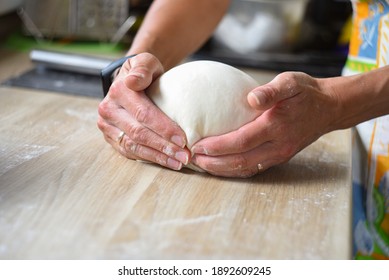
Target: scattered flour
{"points": [[9, 160]]}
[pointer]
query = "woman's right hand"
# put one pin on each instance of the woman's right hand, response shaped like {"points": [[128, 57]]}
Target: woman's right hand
{"points": [[148, 133]]}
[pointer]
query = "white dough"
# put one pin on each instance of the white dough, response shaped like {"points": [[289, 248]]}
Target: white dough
{"points": [[205, 98]]}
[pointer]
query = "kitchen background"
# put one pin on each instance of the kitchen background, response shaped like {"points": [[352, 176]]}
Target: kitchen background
{"points": [[279, 35]]}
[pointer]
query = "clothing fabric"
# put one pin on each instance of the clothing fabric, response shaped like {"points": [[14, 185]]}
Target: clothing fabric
{"points": [[368, 50]]}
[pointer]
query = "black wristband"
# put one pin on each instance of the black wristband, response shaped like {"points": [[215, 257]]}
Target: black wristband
{"points": [[106, 73]]}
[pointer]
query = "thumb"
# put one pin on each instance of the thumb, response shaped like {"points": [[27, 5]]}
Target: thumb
{"points": [[142, 69], [283, 86], [263, 97]]}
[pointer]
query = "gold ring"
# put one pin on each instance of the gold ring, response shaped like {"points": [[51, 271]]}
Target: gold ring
{"points": [[120, 137]]}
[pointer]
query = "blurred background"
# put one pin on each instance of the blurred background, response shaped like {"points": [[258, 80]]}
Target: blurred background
{"points": [[72, 21], [281, 35], [307, 35], [277, 35]]}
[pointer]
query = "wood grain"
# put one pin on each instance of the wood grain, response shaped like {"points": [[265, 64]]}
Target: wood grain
{"points": [[66, 194]]}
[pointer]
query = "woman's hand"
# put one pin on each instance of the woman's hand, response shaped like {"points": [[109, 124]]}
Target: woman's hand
{"points": [[297, 110], [148, 133]]}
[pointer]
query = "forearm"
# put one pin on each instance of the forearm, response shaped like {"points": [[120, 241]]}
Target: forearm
{"points": [[173, 29], [361, 97]]}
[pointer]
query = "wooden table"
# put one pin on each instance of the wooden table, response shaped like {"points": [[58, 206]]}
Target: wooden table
{"points": [[66, 194]]}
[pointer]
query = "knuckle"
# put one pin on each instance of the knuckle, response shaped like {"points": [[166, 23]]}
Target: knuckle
{"points": [[290, 77], [144, 69], [286, 152], [161, 159], [115, 90], [239, 162], [147, 64], [268, 95], [132, 147], [142, 114], [104, 110], [242, 142], [137, 133]]}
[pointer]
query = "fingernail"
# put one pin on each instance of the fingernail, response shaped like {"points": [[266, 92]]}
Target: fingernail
{"points": [[174, 164], [182, 157], [179, 141], [255, 97]]}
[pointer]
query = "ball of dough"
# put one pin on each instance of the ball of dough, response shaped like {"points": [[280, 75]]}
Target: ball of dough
{"points": [[205, 98]]}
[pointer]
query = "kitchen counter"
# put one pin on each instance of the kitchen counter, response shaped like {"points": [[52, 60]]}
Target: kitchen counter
{"points": [[66, 194]]}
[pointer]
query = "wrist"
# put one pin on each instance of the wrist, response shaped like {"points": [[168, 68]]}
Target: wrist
{"points": [[360, 97], [344, 110]]}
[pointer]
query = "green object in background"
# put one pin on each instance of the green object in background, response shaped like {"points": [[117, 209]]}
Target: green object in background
{"points": [[19, 42]]}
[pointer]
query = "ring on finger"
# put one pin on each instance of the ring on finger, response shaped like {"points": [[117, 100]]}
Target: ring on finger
{"points": [[120, 137]]}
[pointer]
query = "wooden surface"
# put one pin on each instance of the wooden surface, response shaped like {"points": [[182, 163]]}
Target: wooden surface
{"points": [[66, 194]]}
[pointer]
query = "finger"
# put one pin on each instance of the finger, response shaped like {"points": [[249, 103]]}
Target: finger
{"points": [[143, 136], [237, 173], [146, 113], [283, 86], [109, 131], [141, 70], [135, 150], [244, 139], [240, 165], [226, 166]]}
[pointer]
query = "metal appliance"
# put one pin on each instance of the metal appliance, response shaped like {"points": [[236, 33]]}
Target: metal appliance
{"points": [[101, 20]]}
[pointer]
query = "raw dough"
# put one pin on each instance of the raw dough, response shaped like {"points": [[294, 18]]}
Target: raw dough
{"points": [[205, 98]]}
